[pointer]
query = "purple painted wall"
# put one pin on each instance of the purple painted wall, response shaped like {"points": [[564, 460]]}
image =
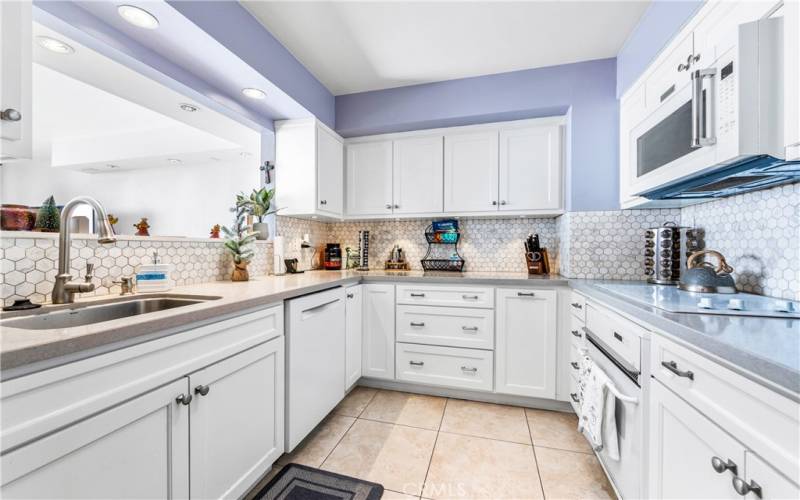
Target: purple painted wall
{"points": [[234, 27], [659, 23], [586, 91]]}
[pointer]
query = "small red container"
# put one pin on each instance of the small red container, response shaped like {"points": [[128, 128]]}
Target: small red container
{"points": [[17, 218]]}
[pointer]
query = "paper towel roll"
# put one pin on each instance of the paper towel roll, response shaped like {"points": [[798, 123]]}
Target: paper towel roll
{"points": [[278, 266]]}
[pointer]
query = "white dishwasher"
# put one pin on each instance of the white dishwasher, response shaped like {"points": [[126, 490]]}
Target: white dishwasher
{"points": [[315, 366]]}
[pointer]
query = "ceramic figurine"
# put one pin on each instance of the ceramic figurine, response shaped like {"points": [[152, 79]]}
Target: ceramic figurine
{"points": [[142, 227], [47, 220], [215, 231]]}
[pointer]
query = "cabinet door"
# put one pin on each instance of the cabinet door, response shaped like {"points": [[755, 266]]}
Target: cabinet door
{"points": [[470, 172], [418, 175], [378, 347], [237, 426], [526, 342], [354, 309], [15, 80], [330, 172], [682, 445], [139, 449], [772, 483], [530, 168], [369, 178], [791, 78]]}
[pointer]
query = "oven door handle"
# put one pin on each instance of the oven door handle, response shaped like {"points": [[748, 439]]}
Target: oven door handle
{"points": [[703, 133], [630, 372]]}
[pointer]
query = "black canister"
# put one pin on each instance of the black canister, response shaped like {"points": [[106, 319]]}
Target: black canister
{"points": [[333, 257]]}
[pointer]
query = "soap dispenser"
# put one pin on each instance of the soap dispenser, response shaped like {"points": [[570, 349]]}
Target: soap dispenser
{"points": [[154, 277]]}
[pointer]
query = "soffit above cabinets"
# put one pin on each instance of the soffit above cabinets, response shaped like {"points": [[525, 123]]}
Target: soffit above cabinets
{"points": [[360, 46]]}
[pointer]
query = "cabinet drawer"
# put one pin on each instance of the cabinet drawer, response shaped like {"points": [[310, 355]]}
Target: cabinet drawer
{"points": [[460, 296], [616, 332], [763, 420], [446, 326], [577, 306], [447, 366]]}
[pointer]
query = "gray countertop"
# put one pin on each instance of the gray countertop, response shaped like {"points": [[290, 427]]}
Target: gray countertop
{"points": [[765, 350]]}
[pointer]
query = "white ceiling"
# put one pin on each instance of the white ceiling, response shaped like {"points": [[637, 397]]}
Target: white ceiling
{"points": [[360, 46]]}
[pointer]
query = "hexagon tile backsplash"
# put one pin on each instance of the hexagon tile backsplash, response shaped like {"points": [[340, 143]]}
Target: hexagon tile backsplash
{"points": [[758, 232], [29, 261]]}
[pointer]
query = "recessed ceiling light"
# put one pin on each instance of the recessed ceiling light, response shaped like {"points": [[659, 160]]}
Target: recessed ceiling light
{"points": [[174, 161], [138, 17], [254, 93], [54, 45], [189, 108]]}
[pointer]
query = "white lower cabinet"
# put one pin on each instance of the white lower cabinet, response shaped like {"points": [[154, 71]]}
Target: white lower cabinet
{"points": [[763, 481], [139, 448], [445, 366], [353, 312], [236, 413], [378, 333], [526, 342], [683, 444]]}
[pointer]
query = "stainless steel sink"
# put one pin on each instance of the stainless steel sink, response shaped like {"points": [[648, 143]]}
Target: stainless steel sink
{"points": [[91, 314]]}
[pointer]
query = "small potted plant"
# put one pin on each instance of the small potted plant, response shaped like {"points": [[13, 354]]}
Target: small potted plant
{"points": [[48, 218], [258, 205], [237, 241]]}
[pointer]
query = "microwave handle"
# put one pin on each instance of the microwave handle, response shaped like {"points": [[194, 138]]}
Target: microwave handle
{"points": [[702, 112]]}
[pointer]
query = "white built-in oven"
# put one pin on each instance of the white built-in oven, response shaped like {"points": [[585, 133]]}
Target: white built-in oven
{"points": [[721, 113], [627, 473]]}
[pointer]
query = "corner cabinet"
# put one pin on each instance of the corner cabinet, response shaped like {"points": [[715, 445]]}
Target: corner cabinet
{"points": [[309, 176], [378, 333], [525, 354], [15, 81]]}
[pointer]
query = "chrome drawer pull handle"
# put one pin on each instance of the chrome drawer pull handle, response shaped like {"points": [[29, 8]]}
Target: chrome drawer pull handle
{"points": [[673, 367], [184, 399], [417, 294], [576, 333], [470, 328], [618, 336], [721, 466], [416, 363], [470, 297], [574, 364], [417, 324], [469, 369], [577, 305], [574, 397], [743, 488], [524, 294]]}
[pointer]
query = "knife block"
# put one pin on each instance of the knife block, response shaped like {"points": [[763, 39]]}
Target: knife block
{"points": [[540, 265]]}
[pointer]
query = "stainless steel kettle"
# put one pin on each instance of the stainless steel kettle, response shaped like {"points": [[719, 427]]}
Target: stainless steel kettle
{"points": [[704, 277]]}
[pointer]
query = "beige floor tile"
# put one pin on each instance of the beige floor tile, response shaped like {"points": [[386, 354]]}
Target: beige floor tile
{"points": [[555, 429], [393, 495], [479, 468], [486, 420], [393, 455], [320, 443], [566, 475], [407, 409], [355, 402]]}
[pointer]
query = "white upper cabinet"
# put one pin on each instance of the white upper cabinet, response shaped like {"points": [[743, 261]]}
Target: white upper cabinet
{"points": [[470, 172], [369, 179], [791, 77], [418, 175], [308, 159], [530, 168], [15, 81]]}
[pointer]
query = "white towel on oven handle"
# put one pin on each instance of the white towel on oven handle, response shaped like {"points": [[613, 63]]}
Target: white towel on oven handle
{"points": [[597, 419]]}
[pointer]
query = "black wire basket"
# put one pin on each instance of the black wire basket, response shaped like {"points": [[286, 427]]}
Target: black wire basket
{"points": [[453, 265]]}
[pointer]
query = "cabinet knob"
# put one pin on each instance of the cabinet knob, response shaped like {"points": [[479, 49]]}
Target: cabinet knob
{"points": [[202, 390], [744, 488], [323, 202], [10, 115], [388, 206], [494, 202], [720, 466], [503, 202], [184, 399], [350, 295]]}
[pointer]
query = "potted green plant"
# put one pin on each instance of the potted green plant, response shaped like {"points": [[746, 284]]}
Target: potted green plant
{"points": [[258, 205], [238, 240]]}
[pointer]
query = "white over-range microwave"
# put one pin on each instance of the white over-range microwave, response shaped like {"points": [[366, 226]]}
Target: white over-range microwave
{"points": [[721, 132]]}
